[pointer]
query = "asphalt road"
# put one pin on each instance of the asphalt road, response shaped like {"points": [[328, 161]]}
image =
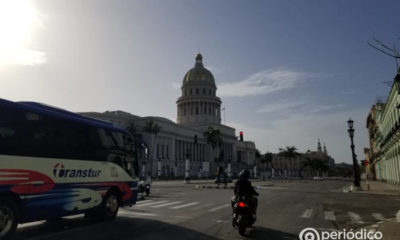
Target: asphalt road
{"points": [[183, 211]]}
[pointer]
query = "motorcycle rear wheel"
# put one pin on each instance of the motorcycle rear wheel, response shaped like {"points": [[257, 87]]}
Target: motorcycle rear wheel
{"points": [[242, 225]]}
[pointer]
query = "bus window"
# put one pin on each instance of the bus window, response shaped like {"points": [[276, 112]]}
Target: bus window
{"points": [[106, 138], [118, 139]]}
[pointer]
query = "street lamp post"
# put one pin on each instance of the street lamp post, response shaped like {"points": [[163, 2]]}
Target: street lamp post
{"points": [[355, 164]]}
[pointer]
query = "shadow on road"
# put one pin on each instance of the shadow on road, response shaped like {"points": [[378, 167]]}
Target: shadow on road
{"points": [[119, 229], [270, 234]]}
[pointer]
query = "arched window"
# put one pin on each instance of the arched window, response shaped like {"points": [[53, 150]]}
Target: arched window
{"points": [[209, 91], [204, 91], [197, 91], [185, 92], [190, 91]]}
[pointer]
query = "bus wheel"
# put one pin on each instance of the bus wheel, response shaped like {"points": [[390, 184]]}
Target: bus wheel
{"points": [[110, 206], [8, 217]]}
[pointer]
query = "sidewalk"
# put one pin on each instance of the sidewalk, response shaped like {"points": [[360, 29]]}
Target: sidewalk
{"points": [[380, 188], [388, 228]]}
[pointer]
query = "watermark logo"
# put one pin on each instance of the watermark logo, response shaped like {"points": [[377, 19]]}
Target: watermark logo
{"points": [[360, 234], [309, 234]]}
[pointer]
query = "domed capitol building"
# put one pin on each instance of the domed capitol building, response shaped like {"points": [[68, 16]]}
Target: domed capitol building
{"points": [[167, 148]]}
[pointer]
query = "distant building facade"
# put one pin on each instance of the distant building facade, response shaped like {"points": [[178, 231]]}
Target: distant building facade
{"points": [[383, 123], [198, 108]]}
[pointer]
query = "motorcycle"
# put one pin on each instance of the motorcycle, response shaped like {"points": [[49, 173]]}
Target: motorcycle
{"points": [[144, 187], [242, 215]]}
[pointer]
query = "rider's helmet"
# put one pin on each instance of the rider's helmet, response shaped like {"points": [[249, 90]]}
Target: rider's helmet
{"points": [[244, 174]]}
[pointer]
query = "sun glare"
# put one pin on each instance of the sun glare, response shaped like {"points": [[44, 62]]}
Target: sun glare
{"points": [[18, 21]]}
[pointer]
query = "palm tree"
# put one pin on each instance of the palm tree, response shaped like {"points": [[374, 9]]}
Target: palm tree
{"points": [[131, 128], [268, 159], [307, 163], [213, 138], [321, 166], [289, 153], [153, 129], [315, 164]]}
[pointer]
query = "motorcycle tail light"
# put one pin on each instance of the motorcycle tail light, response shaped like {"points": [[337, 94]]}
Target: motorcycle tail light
{"points": [[241, 204]]}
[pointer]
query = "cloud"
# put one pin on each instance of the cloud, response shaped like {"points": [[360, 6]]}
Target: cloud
{"points": [[264, 82], [279, 107], [175, 85], [303, 129], [296, 107]]}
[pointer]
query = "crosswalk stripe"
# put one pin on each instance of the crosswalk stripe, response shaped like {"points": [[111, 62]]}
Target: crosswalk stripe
{"points": [[378, 216], [330, 216], [144, 201], [185, 205], [307, 213], [203, 206], [165, 204], [355, 218], [218, 208], [129, 213], [150, 203]]}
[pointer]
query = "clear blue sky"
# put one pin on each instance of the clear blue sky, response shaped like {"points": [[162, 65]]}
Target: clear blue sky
{"points": [[288, 72]]}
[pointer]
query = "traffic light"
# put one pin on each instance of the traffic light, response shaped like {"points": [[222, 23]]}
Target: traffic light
{"points": [[365, 163], [241, 136]]}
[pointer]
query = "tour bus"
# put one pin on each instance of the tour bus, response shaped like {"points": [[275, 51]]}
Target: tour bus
{"points": [[55, 163]]}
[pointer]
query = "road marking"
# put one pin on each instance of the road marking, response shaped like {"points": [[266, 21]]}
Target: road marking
{"points": [[30, 224], [330, 216], [144, 201], [138, 214], [307, 213], [222, 221], [150, 203], [74, 216], [166, 204], [355, 218], [203, 206], [184, 205], [378, 216], [218, 208]]}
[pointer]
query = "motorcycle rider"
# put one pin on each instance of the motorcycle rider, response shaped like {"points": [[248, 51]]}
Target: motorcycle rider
{"points": [[243, 188]]}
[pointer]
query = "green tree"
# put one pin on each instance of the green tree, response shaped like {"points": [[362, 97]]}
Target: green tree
{"points": [[153, 129], [290, 153], [307, 163], [213, 138], [315, 164], [321, 166], [131, 128], [268, 158]]}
